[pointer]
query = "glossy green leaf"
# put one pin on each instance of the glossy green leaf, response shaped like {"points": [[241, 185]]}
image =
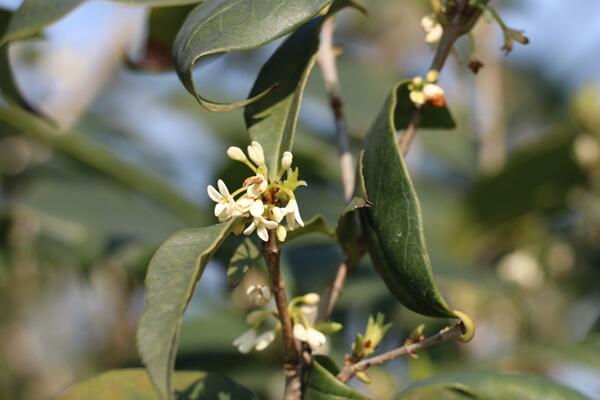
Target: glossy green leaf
{"points": [[34, 15], [316, 224], [491, 386], [431, 117], [171, 279], [393, 224], [272, 119], [245, 257], [221, 26], [323, 385], [126, 384]]}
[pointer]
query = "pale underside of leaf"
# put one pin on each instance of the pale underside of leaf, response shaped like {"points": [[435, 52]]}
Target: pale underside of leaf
{"points": [[170, 282]]}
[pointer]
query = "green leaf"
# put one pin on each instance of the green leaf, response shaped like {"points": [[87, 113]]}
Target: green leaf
{"points": [[8, 87], [393, 224], [316, 224], [431, 117], [221, 26], [323, 385], [34, 15], [126, 384], [171, 279], [246, 256], [272, 119], [490, 386]]}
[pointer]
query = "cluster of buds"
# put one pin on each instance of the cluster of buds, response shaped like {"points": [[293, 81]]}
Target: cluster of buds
{"points": [[261, 203], [426, 91], [433, 29]]}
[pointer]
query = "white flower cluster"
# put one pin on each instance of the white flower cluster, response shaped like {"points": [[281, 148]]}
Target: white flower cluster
{"points": [[427, 91], [264, 203], [433, 29], [303, 311]]}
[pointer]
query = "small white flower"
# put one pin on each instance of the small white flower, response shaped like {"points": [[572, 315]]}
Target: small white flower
{"points": [[264, 340], [262, 226], [242, 206], [225, 206], [259, 294], [256, 185], [256, 153], [315, 339], [433, 29], [278, 213], [286, 160], [434, 95], [293, 217], [236, 154], [245, 342]]}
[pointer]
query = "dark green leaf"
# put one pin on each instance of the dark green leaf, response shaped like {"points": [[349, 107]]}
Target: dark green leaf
{"points": [[126, 384], [431, 117], [272, 119], [393, 224], [246, 256], [170, 282], [493, 386], [34, 15], [316, 224], [221, 26], [323, 385]]}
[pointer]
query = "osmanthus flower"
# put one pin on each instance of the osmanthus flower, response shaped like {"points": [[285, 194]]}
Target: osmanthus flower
{"points": [[303, 311], [426, 91], [258, 337], [432, 28], [260, 203]]}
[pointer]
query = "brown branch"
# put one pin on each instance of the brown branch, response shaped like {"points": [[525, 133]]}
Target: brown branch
{"points": [[326, 58], [445, 335], [292, 363]]}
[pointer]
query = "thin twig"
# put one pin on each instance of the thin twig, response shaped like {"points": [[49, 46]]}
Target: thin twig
{"points": [[445, 335], [292, 362], [327, 62]]}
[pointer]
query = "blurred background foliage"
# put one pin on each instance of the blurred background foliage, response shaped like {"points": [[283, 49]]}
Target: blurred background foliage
{"points": [[511, 198]]}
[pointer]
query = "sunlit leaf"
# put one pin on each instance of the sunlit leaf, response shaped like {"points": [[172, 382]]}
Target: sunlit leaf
{"points": [[171, 279], [490, 386], [393, 224], [217, 27], [316, 224], [125, 384], [323, 385]]}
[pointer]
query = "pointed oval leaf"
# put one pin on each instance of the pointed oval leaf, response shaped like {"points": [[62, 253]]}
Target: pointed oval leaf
{"points": [[272, 119], [171, 279], [490, 386], [35, 15], [220, 26], [126, 384], [393, 224], [323, 385], [317, 224]]}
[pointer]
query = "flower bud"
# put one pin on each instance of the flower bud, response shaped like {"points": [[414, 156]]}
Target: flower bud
{"points": [[256, 153], [236, 154], [286, 160], [432, 76], [281, 233], [311, 299]]}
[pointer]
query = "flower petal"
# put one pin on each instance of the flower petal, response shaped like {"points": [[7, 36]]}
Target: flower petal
{"points": [[223, 188], [214, 194], [250, 229], [262, 233], [264, 340], [257, 209], [299, 332]]}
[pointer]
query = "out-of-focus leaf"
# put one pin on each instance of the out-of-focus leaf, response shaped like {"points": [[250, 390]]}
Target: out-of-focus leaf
{"points": [[323, 385], [441, 391], [163, 25], [172, 276], [34, 15], [246, 256], [493, 386], [316, 224], [127, 384], [431, 117], [78, 148], [537, 178], [272, 119], [393, 224], [217, 27], [8, 87]]}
